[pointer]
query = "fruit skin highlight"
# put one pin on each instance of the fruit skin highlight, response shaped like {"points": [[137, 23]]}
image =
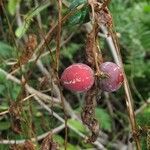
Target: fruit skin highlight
{"points": [[78, 77], [114, 77]]}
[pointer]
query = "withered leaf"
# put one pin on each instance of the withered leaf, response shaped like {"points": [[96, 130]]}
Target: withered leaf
{"points": [[28, 52]]}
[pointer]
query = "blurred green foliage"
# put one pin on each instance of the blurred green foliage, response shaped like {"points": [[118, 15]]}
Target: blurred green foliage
{"points": [[132, 23], [104, 119]]}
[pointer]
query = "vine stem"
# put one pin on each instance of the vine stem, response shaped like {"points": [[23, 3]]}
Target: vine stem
{"points": [[114, 47], [58, 38], [58, 45]]}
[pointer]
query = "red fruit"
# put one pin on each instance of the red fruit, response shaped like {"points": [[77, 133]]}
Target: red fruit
{"points": [[78, 77], [114, 77]]}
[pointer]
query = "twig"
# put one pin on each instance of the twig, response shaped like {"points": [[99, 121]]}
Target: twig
{"points": [[58, 39], [7, 111], [4, 112], [62, 44], [38, 16], [58, 45], [30, 89], [42, 55], [135, 89], [48, 109], [142, 107]]}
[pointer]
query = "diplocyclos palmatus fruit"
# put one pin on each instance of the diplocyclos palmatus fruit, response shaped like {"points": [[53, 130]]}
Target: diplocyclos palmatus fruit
{"points": [[114, 77], [78, 77]]}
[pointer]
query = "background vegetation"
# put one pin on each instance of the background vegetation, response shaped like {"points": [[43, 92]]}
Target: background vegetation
{"points": [[33, 110]]}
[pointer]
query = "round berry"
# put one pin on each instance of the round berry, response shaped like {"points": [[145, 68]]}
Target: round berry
{"points": [[114, 77], [78, 77]]}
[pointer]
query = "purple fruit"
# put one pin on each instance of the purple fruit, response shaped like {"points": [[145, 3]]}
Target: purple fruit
{"points": [[113, 79]]}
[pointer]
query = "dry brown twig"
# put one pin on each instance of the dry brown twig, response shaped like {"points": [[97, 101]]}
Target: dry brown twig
{"points": [[114, 47]]}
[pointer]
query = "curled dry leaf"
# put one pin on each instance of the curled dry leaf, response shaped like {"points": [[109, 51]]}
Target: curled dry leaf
{"points": [[100, 12], [104, 17], [88, 114], [28, 52], [93, 54]]}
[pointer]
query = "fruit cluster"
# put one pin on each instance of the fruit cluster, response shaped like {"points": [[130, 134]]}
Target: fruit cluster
{"points": [[80, 77]]}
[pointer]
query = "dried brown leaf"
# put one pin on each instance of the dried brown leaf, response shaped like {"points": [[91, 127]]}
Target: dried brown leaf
{"points": [[28, 52], [88, 114]]}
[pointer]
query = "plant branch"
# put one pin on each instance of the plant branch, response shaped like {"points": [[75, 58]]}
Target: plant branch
{"points": [[40, 137], [113, 45], [63, 121], [25, 99], [29, 89]]}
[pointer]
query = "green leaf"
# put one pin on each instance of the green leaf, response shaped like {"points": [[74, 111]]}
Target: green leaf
{"points": [[76, 3], [3, 106], [147, 8], [70, 50], [12, 5], [78, 125], [2, 88], [143, 118], [35, 11], [20, 31], [78, 17], [72, 147], [86, 145], [13, 88], [145, 39], [4, 147], [2, 77], [60, 141], [5, 50], [15, 91], [4, 125], [104, 119]]}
